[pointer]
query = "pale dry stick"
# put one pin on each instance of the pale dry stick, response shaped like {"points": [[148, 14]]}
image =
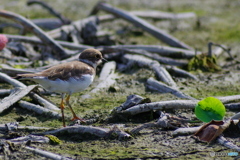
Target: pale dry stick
{"points": [[30, 26], [32, 138], [17, 83], [159, 15], [163, 88], [39, 110], [185, 131], [3, 127], [160, 71], [46, 154], [95, 131], [161, 50], [15, 96], [14, 71], [155, 56], [221, 140], [107, 76], [153, 14], [236, 116], [35, 40], [159, 34], [50, 9], [229, 99]]}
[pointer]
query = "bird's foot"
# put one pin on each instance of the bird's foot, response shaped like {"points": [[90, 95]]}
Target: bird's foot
{"points": [[77, 118]]}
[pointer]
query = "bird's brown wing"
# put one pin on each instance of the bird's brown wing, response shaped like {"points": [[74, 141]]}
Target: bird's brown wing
{"points": [[67, 70]]}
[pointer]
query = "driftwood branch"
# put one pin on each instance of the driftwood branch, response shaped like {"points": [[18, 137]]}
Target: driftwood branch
{"points": [[155, 56], [14, 97], [159, 15], [185, 131], [35, 40], [50, 9], [94, 131], [107, 76], [161, 50], [221, 140], [180, 72], [159, 34], [35, 96], [163, 88], [39, 109], [160, 71], [173, 104], [30, 26], [46, 154]]}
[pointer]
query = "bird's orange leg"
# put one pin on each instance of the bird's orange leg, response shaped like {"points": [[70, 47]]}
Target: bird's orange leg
{"points": [[75, 117], [62, 110]]}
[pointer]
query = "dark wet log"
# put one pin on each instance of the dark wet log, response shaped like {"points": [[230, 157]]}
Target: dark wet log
{"points": [[30, 26], [50, 9], [159, 34]]}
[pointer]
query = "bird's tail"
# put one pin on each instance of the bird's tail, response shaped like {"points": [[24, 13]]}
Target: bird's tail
{"points": [[24, 76]]}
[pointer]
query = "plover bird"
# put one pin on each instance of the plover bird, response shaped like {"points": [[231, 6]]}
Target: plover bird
{"points": [[68, 78]]}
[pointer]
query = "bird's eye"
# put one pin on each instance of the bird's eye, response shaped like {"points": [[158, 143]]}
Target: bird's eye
{"points": [[97, 56]]}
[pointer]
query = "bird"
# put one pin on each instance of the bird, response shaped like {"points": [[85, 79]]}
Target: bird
{"points": [[68, 78]]}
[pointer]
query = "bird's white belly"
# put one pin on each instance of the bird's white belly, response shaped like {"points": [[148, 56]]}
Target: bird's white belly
{"points": [[69, 86]]}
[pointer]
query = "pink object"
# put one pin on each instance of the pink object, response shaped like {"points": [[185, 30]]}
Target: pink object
{"points": [[3, 41]]}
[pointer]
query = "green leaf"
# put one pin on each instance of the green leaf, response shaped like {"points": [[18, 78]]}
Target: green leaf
{"points": [[209, 109]]}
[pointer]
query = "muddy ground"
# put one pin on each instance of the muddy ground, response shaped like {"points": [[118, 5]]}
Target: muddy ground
{"points": [[218, 21]]}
